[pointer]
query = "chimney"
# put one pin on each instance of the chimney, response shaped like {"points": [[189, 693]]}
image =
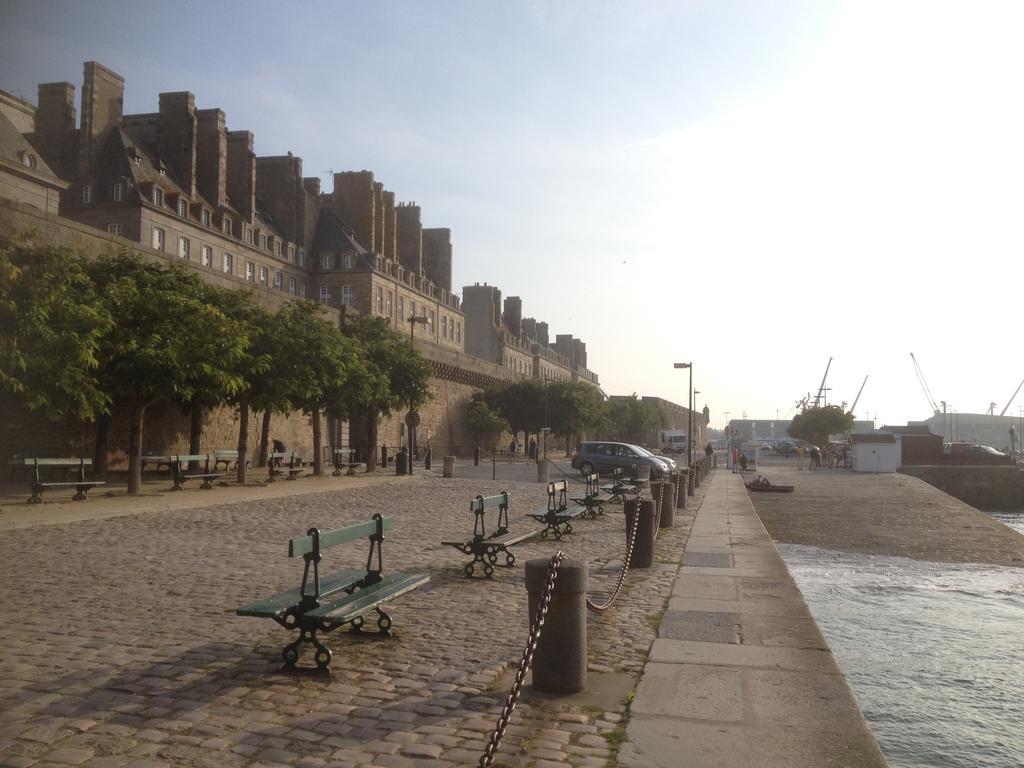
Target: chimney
{"points": [[542, 334], [212, 156], [176, 138], [56, 111], [409, 241], [312, 185], [354, 202], [513, 315], [279, 188], [388, 249], [242, 173], [437, 256], [530, 328], [102, 103], [378, 217]]}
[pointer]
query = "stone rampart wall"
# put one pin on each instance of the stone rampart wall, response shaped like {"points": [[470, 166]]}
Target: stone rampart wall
{"points": [[989, 488]]}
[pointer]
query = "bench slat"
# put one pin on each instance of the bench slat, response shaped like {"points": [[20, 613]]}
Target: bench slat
{"points": [[55, 462], [388, 588], [304, 545], [488, 502], [276, 606]]}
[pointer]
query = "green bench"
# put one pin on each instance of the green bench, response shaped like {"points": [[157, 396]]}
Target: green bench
{"points": [[343, 458], [153, 458], [324, 603], [225, 456], [38, 485], [484, 546], [558, 516], [620, 486], [181, 473], [591, 499], [281, 463]]}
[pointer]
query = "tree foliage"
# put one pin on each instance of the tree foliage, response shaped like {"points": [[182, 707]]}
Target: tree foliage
{"points": [[816, 424], [52, 325], [485, 424], [520, 402], [573, 408], [630, 419]]}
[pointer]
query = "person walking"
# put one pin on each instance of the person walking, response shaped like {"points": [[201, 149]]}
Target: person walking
{"points": [[512, 448], [532, 450]]}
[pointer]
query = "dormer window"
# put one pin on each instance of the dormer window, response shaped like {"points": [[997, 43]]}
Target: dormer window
{"points": [[248, 235], [118, 191], [227, 227], [302, 258], [87, 194], [277, 247], [204, 217], [291, 253], [28, 160], [183, 208], [158, 197], [263, 241]]}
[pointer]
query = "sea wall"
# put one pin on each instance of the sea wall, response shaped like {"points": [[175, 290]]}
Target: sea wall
{"points": [[989, 488]]}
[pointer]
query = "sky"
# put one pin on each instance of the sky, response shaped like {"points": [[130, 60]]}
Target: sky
{"points": [[755, 187]]}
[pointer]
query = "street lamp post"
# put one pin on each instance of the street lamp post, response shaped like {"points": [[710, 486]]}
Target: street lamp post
{"points": [[422, 320], [689, 416]]}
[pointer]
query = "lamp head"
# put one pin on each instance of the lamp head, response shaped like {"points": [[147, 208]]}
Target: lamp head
{"points": [[682, 365]]}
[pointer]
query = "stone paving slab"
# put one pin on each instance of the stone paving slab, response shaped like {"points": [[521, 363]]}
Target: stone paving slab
{"points": [[741, 675], [121, 647]]}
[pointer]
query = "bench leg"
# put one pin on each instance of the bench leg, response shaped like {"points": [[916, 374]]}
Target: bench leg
{"points": [[207, 484], [482, 558], [322, 656], [80, 494], [351, 471], [36, 498]]}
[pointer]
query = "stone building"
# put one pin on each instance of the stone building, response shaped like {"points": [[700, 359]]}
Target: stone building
{"points": [[175, 184], [498, 332]]}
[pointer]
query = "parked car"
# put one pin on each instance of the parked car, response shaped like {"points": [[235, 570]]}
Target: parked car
{"points": [[604, 456], [669, 462]]}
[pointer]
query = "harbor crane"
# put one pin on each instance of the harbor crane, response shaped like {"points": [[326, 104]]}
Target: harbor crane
{"points": [[924, 386], [856, 400], [1010, 401], [821, 387]]}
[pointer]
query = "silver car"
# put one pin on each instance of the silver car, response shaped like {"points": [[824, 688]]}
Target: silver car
{"points": [[602, 456]]}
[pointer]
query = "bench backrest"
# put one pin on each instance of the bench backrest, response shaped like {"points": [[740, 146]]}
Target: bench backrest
{"points": [[593, 481], [52, 462], [224, 453], [557, 492], [183, 459], [306, 544], [481, 504]]}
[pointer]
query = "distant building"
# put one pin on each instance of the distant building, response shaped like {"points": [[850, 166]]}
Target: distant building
{"points": [[980, 428]]}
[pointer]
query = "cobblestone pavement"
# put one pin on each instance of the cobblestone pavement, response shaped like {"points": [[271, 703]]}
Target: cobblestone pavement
{"points": [[885, 514], [121, 648]]}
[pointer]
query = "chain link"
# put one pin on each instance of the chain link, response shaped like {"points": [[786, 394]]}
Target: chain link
{"points": [[602, 607], [487, 758]]}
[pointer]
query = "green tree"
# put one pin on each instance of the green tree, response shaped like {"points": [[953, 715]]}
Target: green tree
{"points": [[485, 424], [815, 424], [573, 407], [51, 326], [393, 376], [521, 402], [630, 419], [164, 340]]}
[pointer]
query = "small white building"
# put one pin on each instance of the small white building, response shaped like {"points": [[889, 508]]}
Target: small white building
{"points": [[876, 452]]}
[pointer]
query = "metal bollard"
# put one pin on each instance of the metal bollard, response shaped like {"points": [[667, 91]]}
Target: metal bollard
{"points": [[401, 461], [696, 475], [476, 457], [666, 489], [449, 466], [643, 548], [643, 471], [684, 479], [542, 471], [689, 481], [560, 663], [383, 457], [426, 461]]}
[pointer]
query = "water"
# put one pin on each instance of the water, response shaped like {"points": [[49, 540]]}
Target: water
{"points": [[934, 652]]}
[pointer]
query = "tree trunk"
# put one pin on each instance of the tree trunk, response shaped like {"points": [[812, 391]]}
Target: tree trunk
{"points": [[243, 440], [318, 458], [99, 458], [371, 437], [135, 449], [195, 433], [261, 460]]}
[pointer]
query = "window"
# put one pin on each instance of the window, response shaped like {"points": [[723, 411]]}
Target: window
{"points": [[430, 321], [29, 160], [444, 326], [184, 248], [401, 309], [87, 194], [250, 271], [291, 253], [458, 332], [227, 227], [391, 306], [347, 261], [346, 295], [207, 258], [277, 280], [263, 241], [229, 263], [264, 276], [183, 208], [325, 294], [158, 238], [116, 229], [302, 257], [158, 197], [380, 301], [412, 309], [248, 234], [302, 289], [204, 217], [277, 246], [291, 285], [118, 191]]}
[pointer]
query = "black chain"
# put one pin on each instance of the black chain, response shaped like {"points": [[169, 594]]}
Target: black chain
{"points": [[531, 647], [602, 607]]}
